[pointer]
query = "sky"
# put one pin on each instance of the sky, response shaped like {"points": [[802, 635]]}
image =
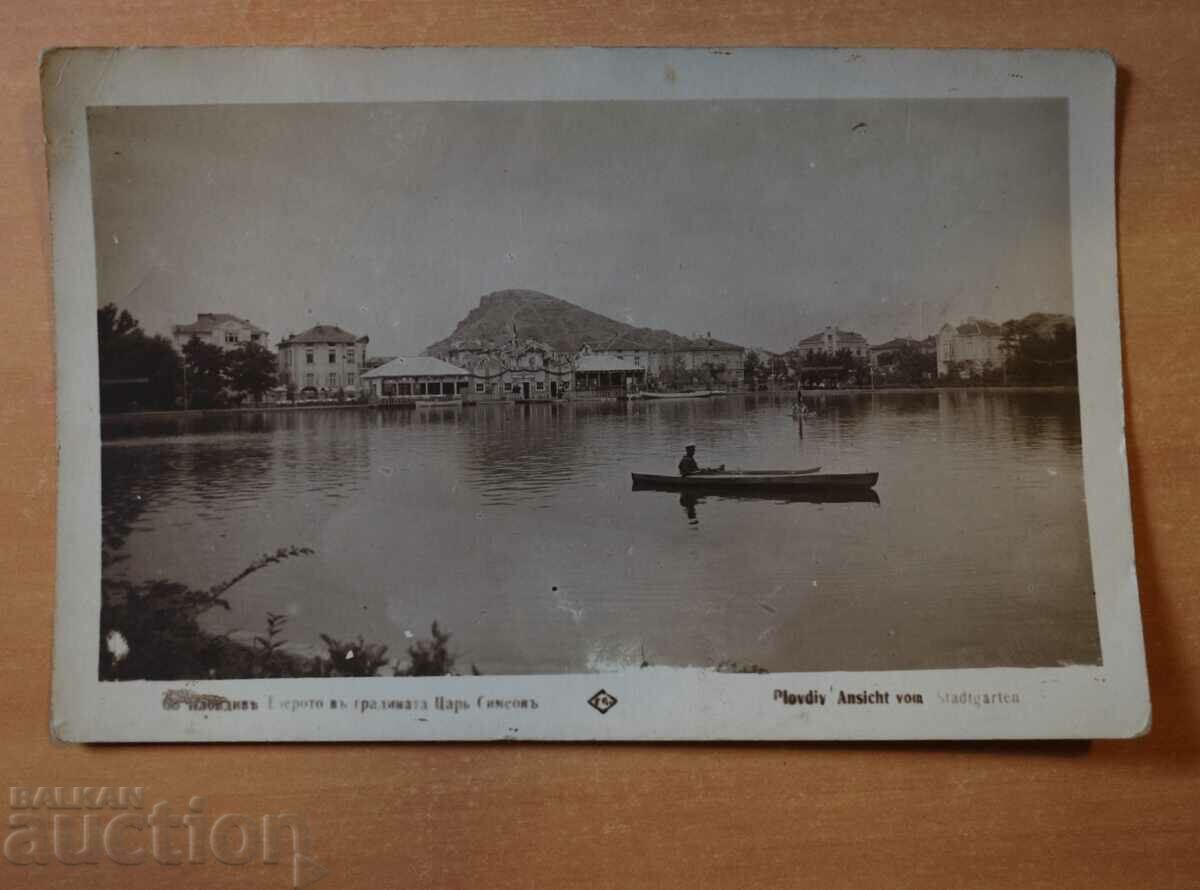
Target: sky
{"points": [[759, 222]]}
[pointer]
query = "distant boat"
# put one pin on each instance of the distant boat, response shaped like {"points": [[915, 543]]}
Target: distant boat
{"points": [[439, 403], [762, 479], [698, 394]]}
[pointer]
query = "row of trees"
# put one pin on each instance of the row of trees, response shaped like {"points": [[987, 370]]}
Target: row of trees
{"points": [[1033, 353], [905, 365], [759, 371], [143, 372], [677, 375]]}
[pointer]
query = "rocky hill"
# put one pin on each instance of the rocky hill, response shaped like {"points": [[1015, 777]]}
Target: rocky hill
{"points": [[557, 323]]}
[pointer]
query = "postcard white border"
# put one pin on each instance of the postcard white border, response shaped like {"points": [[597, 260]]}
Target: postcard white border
{"points": [[1111, 700]]}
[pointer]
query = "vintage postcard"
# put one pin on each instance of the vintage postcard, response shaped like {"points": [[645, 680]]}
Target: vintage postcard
{"points": [[589, 394]]}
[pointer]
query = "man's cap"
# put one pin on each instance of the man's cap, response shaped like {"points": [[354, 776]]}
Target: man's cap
{"points": [[690, 445]]}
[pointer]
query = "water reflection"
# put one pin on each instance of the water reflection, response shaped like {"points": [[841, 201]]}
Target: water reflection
{"points": [[689, 500], [515, 525]]}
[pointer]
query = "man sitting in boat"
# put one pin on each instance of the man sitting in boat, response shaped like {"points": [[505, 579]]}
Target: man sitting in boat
{"points": [[688, 465]]}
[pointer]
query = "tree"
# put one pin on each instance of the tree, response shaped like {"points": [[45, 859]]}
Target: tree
{"points": [[909, 364], [250, 370], [136, 371], [751, 366], [1034, 354], [714, 370], [204, 365], [779, 367], [674, 373]]}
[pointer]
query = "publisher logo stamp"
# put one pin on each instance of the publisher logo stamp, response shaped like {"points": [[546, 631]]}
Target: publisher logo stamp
{"points": [[603, 701]]}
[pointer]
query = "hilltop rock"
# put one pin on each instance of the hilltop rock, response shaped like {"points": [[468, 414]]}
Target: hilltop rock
{"points": [[559, 324]]}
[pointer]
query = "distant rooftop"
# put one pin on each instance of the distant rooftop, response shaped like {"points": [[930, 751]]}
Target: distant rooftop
{"points": [[415, 366], [321, 334], [658, 341], [897, 343], [842, 336], [974, 327], [207, 322], [602, 363]]}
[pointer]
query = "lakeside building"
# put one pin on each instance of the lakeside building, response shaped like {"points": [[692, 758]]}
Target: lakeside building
{"points": [[833, 340], [971, 347], [602, 375], [680, 361], [322, 360], [513, 369], [408, 378], [516, 370], [219, 329]]}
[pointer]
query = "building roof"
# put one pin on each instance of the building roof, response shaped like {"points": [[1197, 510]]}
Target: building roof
{"points": [[974, 327], [842, 337], [207, 322], [322, 333], [416, 366], [896, 343], [600, 363], [666, 343]]}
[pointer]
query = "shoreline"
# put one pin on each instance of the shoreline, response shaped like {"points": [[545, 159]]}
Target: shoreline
{"points": [[806, 393]]}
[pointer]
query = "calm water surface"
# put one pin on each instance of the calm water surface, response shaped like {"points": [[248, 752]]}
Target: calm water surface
{"points": [[515, 527]]}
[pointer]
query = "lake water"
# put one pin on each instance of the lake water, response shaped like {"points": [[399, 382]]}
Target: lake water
{"points": [[516, 528]]}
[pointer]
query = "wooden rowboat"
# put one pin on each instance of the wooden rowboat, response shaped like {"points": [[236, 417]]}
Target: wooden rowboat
{"points": [[439, 403], [724, 472], [733, 481], [699, 394]]}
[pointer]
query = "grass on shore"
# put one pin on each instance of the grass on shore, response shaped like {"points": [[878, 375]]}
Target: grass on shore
{"points": [[152, 630]]}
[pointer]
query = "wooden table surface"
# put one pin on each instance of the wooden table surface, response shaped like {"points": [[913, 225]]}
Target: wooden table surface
{"points": [[1111, 814]]}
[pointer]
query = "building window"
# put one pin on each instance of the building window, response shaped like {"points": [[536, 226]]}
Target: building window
{"points": [[310, 379], [254, 338], [333, 356], [308, 356], [479, 387], [350, 355], [405, 389], [350, 378], [332, 380], [516, 388], [541, 386], [231, 337]]}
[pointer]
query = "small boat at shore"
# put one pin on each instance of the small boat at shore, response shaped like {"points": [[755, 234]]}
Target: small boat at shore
{"points": [[698, 394], [439, 403], [763, 479]]}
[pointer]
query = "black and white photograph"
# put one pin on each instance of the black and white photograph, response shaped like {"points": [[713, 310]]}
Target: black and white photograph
{"points": [[524, 387]]}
